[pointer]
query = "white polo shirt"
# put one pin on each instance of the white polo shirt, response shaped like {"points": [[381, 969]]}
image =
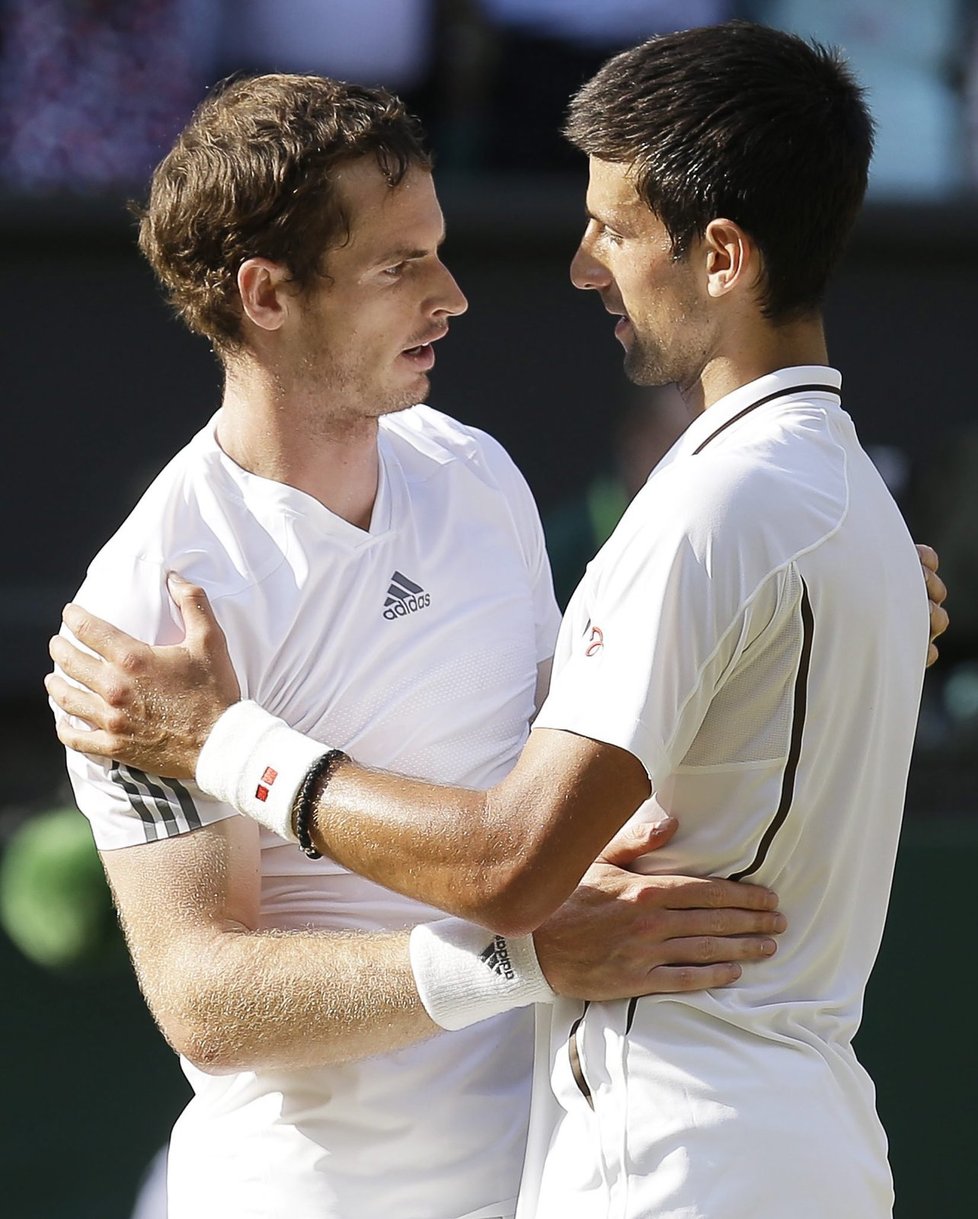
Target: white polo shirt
{"points": [[414, 645], [755, 633]]}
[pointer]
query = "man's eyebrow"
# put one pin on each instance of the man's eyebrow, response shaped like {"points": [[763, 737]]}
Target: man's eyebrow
{"points": [[405, 253], [615, 220], [400, 254]]}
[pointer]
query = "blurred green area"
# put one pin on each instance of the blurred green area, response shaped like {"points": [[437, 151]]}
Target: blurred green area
{"points": [[55, 904]]}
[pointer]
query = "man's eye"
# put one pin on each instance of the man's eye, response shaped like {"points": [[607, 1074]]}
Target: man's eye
{"points": [[395, 270]]}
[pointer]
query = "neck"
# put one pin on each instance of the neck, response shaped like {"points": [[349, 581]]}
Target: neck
{"points": [[291, 437], [755, 350]]}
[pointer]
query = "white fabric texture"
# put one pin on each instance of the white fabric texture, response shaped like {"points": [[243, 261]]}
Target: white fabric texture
{"points": [[413, 645], [465, 974], [755, 633]]}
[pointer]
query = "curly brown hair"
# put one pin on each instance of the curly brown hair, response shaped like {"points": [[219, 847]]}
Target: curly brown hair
{"points": [[251, 177]]}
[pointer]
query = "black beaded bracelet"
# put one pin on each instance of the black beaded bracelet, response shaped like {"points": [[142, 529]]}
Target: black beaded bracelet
{"points": [[318, 776]]}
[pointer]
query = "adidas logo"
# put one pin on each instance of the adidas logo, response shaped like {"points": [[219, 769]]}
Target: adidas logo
{"points": [[404, 597], [496, 956]]}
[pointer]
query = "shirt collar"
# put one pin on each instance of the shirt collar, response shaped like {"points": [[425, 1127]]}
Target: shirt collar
{"points": [[804, 379]]}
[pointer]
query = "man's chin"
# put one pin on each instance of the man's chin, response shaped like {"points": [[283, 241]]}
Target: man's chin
{"points": [[640, 372], [410, 396]]}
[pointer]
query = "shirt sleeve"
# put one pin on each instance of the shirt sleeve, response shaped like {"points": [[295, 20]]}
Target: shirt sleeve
{"points": [[125, 806], [669, 607]]}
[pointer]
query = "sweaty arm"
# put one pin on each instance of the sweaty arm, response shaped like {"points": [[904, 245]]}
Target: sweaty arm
{"points": [[526, 843], [232, 997], [119, 686], [619, 935]]}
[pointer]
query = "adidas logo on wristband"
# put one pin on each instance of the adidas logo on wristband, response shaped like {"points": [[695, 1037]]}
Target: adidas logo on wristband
{"points": [[496, 956]]}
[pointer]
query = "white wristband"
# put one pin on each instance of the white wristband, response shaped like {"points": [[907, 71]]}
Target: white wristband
{"points": [[256, 763], [465, 974]]}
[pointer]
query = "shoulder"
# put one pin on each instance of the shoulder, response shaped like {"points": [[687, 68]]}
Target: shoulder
{"points": [[773, 495], [434, 438], [195, 519], [723, 522]]}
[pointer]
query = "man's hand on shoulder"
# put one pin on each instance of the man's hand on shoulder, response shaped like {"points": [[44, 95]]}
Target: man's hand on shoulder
{"points": [[150, 707]]}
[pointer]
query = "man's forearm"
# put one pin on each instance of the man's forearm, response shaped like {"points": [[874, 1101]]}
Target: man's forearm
{"points": [[233, 1000]]}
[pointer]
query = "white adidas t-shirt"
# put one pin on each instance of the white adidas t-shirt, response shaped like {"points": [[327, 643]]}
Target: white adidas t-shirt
{"points": [[414, 646], [755, 633]]}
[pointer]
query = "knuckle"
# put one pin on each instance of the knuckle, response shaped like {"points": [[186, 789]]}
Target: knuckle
{"points": [[115, 722], [114, 693], [130, 661], [653, 926], [707, 948], [651, 893]]}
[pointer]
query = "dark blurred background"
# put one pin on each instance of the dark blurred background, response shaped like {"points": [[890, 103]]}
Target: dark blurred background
{"points": [[101, 386]]}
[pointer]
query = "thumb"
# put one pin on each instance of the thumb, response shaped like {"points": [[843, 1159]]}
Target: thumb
{"points": [[200, 626], [637, 838]]}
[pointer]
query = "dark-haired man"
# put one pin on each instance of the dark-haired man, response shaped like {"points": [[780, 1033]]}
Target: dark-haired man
{"points": [[365, 560]]}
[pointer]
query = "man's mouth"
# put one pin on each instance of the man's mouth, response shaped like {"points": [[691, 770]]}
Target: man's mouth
{"points": [[423, 354]]}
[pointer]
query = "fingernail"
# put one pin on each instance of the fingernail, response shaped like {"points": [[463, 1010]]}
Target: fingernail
{"points": [[769, 947], [174, 580]]}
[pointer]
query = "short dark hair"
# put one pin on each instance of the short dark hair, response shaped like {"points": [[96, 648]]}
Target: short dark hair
{"points": [[252, 176], [743, 122]]}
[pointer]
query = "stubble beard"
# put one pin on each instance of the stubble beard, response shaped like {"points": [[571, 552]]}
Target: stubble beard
{"points": [[645, 366], [651, 362], [354, 397]]}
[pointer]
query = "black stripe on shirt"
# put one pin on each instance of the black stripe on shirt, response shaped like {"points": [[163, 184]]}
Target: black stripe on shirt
{"points": [[574, 1054], [799, 711], [778, 393]]}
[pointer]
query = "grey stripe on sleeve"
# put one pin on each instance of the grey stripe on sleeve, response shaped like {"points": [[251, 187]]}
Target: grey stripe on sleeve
{"points": [[169, 790], [164, 807]]}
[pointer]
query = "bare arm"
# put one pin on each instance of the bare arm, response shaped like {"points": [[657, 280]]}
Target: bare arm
{"points": [[569, 790], [659, 913], [620, 935], [527, 842], [232, 997], [404, 834]]}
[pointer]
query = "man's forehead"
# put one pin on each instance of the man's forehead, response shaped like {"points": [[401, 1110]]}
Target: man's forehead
{"points": [[611, 188], [379, 214]]}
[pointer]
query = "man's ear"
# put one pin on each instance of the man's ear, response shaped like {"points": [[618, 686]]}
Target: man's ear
{"points": [[263, 286], [733, 261]]}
